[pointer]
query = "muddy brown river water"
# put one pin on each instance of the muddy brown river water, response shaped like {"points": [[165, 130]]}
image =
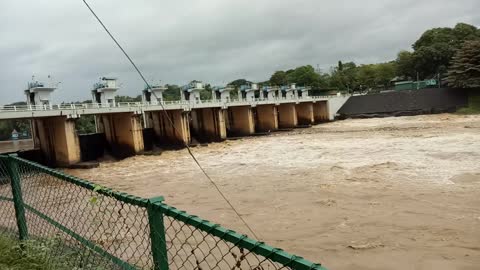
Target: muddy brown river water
{"points": [[391, 193]]}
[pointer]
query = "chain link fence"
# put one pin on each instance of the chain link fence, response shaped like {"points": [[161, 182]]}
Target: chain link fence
{"points": [[7, 212], [92, 227]]}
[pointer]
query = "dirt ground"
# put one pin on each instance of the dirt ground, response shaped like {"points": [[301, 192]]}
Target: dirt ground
{"points": [[391, 193]]}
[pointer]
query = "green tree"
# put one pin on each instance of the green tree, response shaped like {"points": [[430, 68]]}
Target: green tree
{"points": [[431, 60], [366, 76], [303, 75], [172, 93], [405, 66], [434, 50], [279, 78], [465, 68], [85, 124], [128, 98], [206, 94], [385, 72], [18, 103], [20, 125], [239, 82], [464, 32], [344, 76]]}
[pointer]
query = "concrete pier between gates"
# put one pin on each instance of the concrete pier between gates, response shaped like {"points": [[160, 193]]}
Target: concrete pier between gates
{"points": [[305, 113], [123, 131], [208, 124], [287, 115], [240, 121], [57, 140], [175, 132], [320, 111], [266, 118]]}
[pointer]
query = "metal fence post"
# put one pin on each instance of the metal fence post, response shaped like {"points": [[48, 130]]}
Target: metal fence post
{"points": [[12, 168], [157, 234]]}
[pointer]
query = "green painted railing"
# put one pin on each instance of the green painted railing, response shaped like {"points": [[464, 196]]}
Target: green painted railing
{"points": [[153, 235]]}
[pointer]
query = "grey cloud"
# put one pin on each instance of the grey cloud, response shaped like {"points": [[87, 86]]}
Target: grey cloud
{"points": [[216, 41]]}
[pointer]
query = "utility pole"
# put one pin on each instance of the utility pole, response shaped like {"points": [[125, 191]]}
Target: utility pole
{"points": [[418, 86]]}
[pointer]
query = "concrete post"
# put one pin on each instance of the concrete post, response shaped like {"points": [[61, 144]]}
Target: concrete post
{"points": [[18, 204], [214, 94], [182, 95], [157, 234]]}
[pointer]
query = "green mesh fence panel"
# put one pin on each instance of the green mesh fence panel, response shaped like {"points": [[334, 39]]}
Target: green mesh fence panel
{"points": [[191, 248], [8, 223], [118, 228], [92, 227]]}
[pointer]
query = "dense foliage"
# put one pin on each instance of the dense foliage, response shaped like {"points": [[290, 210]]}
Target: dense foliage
{"points": [[433, 51], [86, 124], [22, 126], [172, 92], [465, 66], [432, 56], [128, 99], [346, 76]]}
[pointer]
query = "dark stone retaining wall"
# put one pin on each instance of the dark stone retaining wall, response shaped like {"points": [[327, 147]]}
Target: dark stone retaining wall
{"points": [[398, 103]]}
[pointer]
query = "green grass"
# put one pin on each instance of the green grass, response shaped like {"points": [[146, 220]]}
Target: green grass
{"points": [[28, 255], [47, 254], [468, 110], [473, 103]]}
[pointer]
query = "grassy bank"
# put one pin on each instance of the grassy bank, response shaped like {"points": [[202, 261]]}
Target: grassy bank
{"points": [[47, 254], [473, 103], [28, 255]]}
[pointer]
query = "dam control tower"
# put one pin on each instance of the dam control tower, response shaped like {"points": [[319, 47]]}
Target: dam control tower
{"points": [[38, 93], [104, 91]]}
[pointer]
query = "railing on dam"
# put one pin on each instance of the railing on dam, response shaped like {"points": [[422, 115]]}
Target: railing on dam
{"points": [[178, 104], [93, 227]]}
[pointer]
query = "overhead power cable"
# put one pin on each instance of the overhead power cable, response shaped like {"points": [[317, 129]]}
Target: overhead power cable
{"points": [[171, 122]]}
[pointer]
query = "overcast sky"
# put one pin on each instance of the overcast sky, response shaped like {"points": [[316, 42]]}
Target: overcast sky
{"points": [[216, 41]]}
